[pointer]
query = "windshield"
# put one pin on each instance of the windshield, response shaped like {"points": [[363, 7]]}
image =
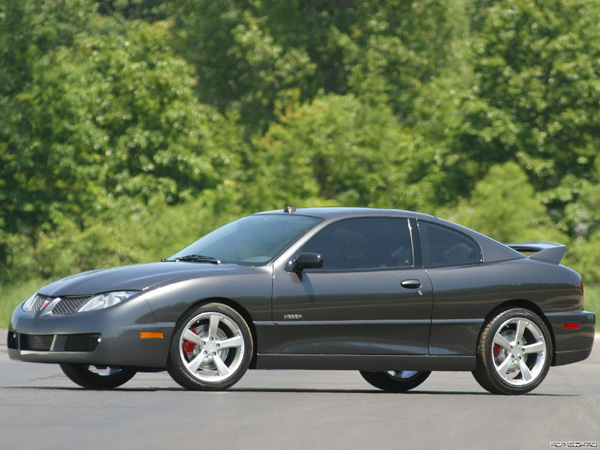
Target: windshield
{"points": [[252, 240]]}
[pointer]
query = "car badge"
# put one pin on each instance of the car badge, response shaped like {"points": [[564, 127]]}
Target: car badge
{"points": [[292, 316]]}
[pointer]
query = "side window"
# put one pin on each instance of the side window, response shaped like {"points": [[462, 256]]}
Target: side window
{"points": [[442, 246], [364, 243]]}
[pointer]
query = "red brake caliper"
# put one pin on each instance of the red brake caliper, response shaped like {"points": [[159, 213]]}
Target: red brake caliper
{"points": [[188, 346], [497, 350]]}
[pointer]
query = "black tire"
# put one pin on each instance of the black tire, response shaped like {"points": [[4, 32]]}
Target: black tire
{"points": [[92, 377], [395, 381], [211, 348], [514, 353]]}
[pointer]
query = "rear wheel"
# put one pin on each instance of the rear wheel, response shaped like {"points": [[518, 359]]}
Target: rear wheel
{"points": [[97, 377], [211, 348], [395, 381], [514, 353]]}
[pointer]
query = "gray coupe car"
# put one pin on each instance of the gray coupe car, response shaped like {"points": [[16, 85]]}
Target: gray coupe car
{"points": [[393, 294]]}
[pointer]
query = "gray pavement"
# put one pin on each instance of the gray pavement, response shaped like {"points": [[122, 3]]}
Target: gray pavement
{"points": [[41, 409]]}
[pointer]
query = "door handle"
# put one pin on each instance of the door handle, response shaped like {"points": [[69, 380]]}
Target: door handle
{"points": [[411, 284]]}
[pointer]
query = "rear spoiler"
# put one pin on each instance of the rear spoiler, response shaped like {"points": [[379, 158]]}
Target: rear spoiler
{"points": [[542, 251]]}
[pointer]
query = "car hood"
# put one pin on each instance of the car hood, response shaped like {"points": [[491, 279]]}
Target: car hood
{"points": [[134, 278]]}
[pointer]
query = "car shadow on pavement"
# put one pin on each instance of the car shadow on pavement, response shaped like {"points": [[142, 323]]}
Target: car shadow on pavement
{"points": [[232, 391]]}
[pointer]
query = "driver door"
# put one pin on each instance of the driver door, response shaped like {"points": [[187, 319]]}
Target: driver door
{"points": [[368, 298]]}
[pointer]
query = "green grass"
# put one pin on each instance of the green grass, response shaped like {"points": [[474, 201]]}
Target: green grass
{"points": [[592, 302], [12, 295]]}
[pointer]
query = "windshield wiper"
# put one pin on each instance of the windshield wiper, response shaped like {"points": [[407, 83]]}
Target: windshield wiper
{"points": [[194, 258]]}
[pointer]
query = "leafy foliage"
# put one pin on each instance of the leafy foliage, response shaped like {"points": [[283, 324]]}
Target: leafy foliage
{"points": [[539, 64], [503, 206], [122, 115], [108, 121], [336, 149]]}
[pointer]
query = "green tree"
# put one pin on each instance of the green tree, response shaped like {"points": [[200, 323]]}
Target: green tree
{"points": [[261, 56], [28, 32], [239, 64], [336, 149], [503, 206], [539, 64], [105, 125], [529, 94]]}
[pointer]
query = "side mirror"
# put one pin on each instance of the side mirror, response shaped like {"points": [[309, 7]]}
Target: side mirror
{"points": [[305, 261]]}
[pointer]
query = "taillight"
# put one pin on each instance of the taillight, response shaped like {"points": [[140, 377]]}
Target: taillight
{"points": [[581, 286]]}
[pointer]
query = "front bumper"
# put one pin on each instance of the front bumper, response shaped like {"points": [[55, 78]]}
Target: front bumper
{"points": [[115, 336]]}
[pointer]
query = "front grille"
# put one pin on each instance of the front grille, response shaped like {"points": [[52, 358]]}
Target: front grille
{"points": [[65, 305], [69, 305]]}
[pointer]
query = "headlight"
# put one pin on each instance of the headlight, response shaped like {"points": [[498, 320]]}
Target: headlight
{"points": [[105, 300], [28, 305]]}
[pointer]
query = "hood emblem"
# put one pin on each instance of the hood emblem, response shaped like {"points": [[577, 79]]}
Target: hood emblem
{"points": [[47, 302]]}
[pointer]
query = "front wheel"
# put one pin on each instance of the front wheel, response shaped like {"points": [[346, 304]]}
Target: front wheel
{"points": [[395, 381], [211, 348], [97, 377], [514, 353]]}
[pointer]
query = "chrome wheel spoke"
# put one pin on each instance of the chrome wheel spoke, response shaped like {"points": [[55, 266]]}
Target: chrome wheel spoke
{"points": [[537, 347], [502, 342], [189, 335], [527, 376], [504, 366], [213, 325], [221, 366], [521, 326], [195, 363], [234, 342]]}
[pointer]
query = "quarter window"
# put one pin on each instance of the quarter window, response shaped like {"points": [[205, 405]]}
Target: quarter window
{"points": [[364, 243], [442, 246]]}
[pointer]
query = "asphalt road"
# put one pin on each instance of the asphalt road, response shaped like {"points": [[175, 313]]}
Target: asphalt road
{"points": [[41, 409]]}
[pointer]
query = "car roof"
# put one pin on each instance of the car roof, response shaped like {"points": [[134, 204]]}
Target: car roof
{"points": [[342, 211]]}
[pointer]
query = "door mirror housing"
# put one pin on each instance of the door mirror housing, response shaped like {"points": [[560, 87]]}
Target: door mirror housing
{"points": [[305, 261]]}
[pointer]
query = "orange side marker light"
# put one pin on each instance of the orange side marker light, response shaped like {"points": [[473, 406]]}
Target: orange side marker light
{"points": [[151, 334]]}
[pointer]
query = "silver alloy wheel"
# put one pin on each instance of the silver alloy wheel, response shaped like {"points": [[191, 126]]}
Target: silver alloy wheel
{"points": [[211, 347], [403, 374], [519, 351], [104, 371]]}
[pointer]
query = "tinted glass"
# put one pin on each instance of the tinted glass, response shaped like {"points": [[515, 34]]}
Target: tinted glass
{"points": [[442, 246], [369, 243], [252, 240]]}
